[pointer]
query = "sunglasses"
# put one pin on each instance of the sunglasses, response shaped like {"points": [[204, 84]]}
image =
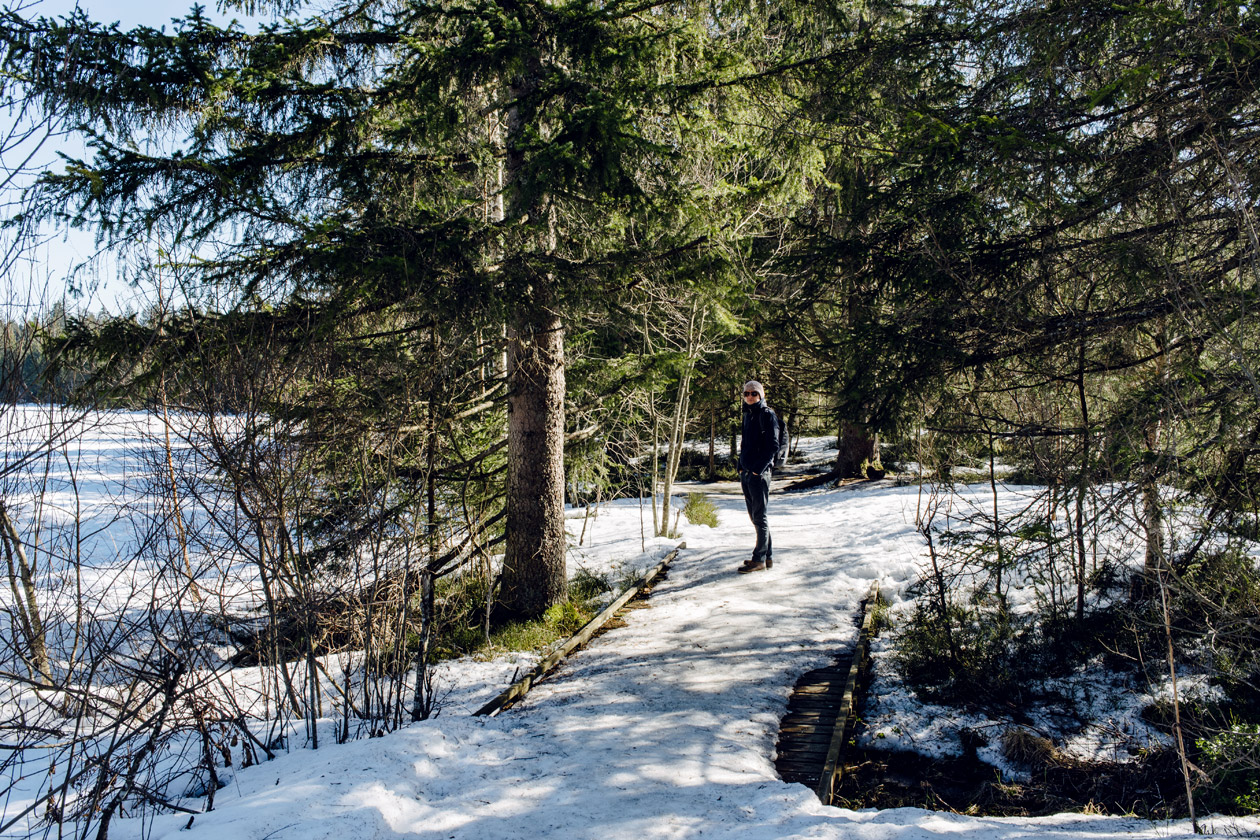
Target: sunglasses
{"points": [[752, 393]]}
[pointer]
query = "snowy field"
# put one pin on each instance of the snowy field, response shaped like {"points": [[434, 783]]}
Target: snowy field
{"points": [[663, 728]]}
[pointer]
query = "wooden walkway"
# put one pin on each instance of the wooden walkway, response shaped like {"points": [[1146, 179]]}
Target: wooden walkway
{"points": [[806, 729], [521, 687], [820, 713]]}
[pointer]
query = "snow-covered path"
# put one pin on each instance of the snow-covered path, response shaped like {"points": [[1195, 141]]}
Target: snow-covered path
{"points": [[664, 728]]}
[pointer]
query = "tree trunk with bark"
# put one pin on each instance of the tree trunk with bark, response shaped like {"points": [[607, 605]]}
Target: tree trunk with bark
{"points": [[682, 408], [534, 575], [1152, 505], [28, 622], [712, 445], [855, 450]]}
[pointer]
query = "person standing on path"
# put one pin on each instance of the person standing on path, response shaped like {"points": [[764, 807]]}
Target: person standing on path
{"points": [[758, 445]]}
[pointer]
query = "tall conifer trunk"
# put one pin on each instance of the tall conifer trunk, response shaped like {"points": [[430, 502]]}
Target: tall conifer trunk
{"points": [[855, 448], [534, 575]]}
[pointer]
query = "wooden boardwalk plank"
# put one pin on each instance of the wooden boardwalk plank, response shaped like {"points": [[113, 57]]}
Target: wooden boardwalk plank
{"points": [[805, 731], [812, 731], [521, 687]]}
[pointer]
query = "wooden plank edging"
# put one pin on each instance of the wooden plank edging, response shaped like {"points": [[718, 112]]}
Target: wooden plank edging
{"points": [[521, 687], [845, 718]]}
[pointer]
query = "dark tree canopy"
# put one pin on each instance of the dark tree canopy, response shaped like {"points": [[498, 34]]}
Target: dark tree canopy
{"points": [[503, 167]]}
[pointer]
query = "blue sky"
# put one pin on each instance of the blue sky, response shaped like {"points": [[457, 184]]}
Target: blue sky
{"points": [[48, 265], [126, 12]]}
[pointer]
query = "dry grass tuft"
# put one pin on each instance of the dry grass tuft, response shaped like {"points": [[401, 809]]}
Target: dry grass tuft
{"points": [[1028, 748]]}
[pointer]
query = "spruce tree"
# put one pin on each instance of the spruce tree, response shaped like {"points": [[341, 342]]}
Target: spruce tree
{"points": [[500, 166]]}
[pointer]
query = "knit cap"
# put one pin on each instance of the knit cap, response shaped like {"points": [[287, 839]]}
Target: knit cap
{"points": [[754, 385]]}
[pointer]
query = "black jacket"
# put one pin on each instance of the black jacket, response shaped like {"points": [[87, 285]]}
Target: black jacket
{"points": [[760, 441]]}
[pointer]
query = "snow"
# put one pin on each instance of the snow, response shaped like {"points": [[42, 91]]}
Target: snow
{"points": [[662, 728]]}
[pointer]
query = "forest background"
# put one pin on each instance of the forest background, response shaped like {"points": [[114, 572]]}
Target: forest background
{"points": [[420, 273]]}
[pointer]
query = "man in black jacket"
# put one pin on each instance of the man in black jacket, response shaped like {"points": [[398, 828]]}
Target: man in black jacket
{"points": [[758, 445]]}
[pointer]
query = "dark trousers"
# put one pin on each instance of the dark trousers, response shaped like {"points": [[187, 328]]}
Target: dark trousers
{"points": [[756, 496]]}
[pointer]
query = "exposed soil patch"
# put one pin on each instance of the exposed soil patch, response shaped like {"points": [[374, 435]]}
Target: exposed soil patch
{"points": [[1150, 787]]}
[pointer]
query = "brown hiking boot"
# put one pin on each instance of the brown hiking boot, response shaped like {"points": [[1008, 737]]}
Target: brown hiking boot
{"points": [[752, 566], [769, 562]]}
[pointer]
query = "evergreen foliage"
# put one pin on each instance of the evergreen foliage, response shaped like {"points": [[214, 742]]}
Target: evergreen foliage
{"points": [[365, 181], [410, 256]]}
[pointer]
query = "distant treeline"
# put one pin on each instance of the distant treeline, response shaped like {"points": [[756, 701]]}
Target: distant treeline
{"points": [[32, 367]]}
